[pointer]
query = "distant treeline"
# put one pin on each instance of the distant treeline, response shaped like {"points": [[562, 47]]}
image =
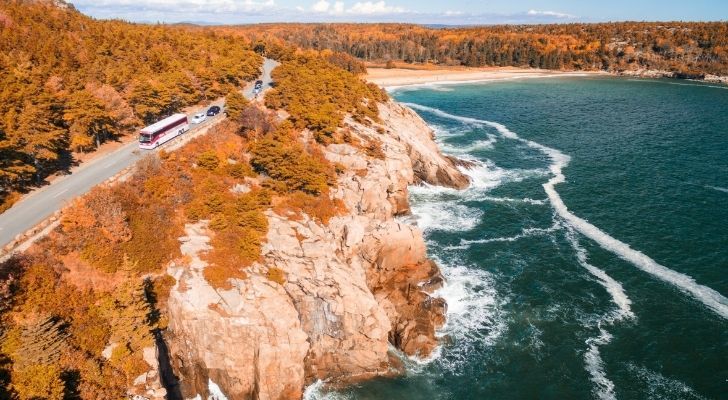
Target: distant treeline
{"points": [[690, 48], [69, 82]]}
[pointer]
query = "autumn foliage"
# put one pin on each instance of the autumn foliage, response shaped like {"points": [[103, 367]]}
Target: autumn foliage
{"points": [[319, 94], [69, 82], [689, 48]]}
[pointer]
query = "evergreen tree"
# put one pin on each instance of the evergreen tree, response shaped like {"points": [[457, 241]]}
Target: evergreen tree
{"points": [[88, 120], [235, 103], [41, 342]]}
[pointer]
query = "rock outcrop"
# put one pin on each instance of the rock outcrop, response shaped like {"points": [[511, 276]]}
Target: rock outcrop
{"points": [[350, 289]]}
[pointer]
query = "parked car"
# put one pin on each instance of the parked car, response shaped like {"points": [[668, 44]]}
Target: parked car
{"points": [[212, 111], [197, 118]]}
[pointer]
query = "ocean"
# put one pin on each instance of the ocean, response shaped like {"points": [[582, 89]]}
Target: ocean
{"points": [[589, 258]]}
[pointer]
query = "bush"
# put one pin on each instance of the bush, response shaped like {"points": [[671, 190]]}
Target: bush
{"points": [[276, 275], [235, 103], [208, 160], [38, 382], [320, 208], [285, 160], [318, 94]]}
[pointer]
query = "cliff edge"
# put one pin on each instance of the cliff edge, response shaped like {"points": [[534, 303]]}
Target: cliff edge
{"points": [[327, 300]]}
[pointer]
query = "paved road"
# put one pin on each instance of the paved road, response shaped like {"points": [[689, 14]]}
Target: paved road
{"points": [[43, 202]]}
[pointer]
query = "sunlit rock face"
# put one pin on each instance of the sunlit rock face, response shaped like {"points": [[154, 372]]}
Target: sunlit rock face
{"points": [[351, 288]]}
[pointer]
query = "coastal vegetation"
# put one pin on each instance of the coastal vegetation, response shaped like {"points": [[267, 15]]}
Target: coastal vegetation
{"points": [[688, 48], [300, 83], [80, 306], [69, 83]]}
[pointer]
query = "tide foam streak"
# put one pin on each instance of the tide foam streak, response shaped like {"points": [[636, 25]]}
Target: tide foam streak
{"points": [[604, 389], [709, 297]]}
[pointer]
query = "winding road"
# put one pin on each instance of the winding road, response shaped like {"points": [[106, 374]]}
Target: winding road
{"points": [[43, 202]]}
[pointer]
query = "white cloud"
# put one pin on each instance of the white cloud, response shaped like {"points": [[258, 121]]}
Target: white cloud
{"points": [[370, 7], [209, 6], [359, 8], [451, 13], [338, 7], [550, 14], [323, 6]]}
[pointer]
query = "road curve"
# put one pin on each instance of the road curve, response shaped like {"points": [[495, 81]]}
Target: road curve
{"points": [[43, 202]]}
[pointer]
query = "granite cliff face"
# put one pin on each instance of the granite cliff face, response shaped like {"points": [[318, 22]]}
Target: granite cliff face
{"points": [[351, 288]]}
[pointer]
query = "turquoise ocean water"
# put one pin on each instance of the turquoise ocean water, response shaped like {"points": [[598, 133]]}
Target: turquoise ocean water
{"points": [[589, 259]]}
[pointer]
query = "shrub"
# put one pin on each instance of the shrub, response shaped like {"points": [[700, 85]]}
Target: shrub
{"points": [[208, 160], [321, 208], [235, 103], [276, 275], [286, 161], [38, 382], [318, 94]]}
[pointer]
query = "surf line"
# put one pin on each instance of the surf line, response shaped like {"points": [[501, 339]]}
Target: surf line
{"points": [[685, 283]]}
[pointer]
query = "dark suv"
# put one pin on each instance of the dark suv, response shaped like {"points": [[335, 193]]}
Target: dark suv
{"points": [[212, 111]]}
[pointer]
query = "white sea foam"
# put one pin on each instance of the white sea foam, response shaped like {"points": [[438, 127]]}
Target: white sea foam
{"points": [[316, 391], [595, 366], [709, 297], [443, 132], [511, 200], [473, 311], [604, 387], [526, 232], [470, 147], [661, 387], [446, 216], [718, 188], [614, 288]]}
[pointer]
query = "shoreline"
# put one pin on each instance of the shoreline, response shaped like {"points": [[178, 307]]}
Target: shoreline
{"points": [[396, 78], [399, 77]]}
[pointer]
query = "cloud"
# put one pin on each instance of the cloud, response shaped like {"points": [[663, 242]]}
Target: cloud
{"points": [[256, 11], [370, 7], [550, 14], [321, 6], [190, 6], [451, 13], [359, 8]]}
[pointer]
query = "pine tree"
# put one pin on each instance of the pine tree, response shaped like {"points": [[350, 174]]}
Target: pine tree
{"points": [[37, 135], [88, 120], [41, 342], [235, 103], [129, 314], [34, 382]]}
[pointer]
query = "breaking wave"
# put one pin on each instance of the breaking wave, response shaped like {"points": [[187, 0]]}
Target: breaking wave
{"points": [[709, 297], [474, 316]]}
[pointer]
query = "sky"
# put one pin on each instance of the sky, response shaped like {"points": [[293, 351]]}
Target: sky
{"points": [[448, 12]]}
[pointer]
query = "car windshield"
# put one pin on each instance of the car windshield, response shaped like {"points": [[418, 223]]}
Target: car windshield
{"points": [[145, 138]]}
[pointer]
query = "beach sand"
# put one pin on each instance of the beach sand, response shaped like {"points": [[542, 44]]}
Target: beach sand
{"points": [[406, 77]]}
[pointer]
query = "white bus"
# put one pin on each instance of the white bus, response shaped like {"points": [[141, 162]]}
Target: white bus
{"points": [[163, 131]]}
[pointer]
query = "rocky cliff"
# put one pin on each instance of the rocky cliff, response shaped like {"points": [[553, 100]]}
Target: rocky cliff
{"points": [[348, 291]]}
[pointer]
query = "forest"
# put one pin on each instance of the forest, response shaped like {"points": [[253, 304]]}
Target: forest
{"points": [[689, 48], [68, 83]]}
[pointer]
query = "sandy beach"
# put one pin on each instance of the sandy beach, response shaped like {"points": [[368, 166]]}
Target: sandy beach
{"points": [[395, 77]]}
